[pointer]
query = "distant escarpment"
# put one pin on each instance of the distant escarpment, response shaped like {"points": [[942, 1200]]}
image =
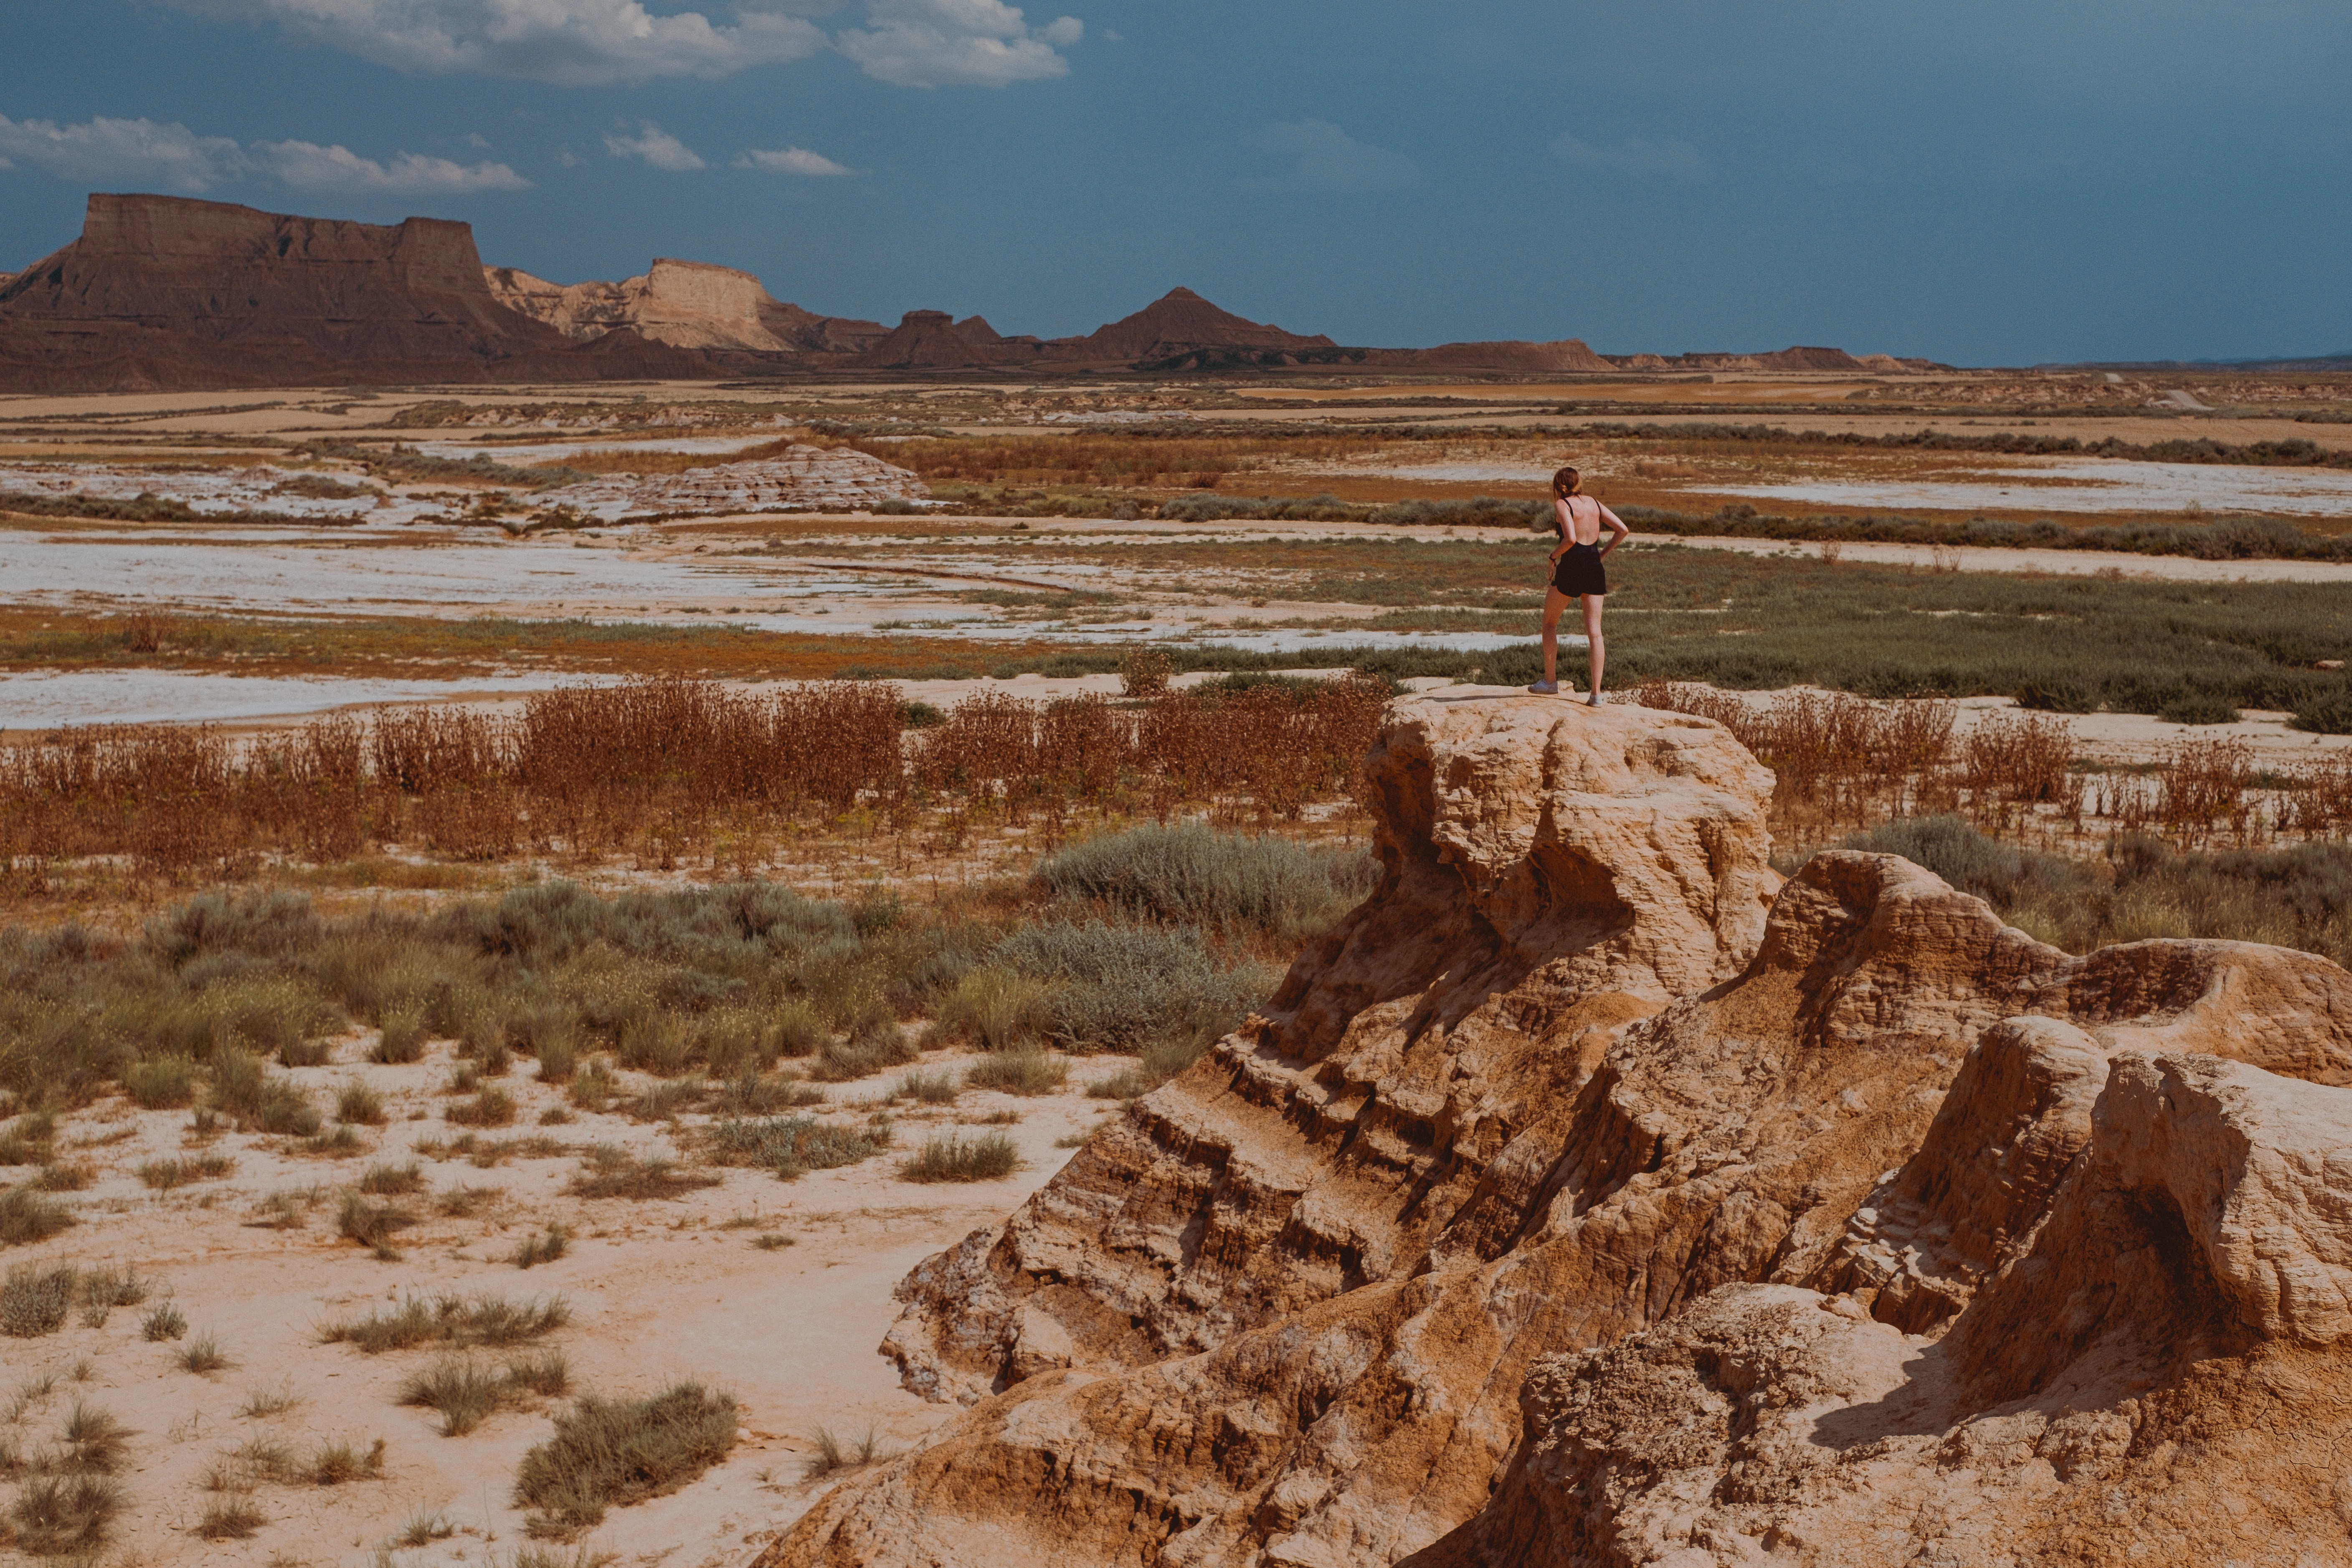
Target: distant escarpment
{"points": [[164, 293], [1589, 1197]]}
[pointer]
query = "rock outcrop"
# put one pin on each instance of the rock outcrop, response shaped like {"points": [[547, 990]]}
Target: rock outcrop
{"points": [[1564, 1208], [1568, 354], [1178, 325], [686, 304], [165, 292]]}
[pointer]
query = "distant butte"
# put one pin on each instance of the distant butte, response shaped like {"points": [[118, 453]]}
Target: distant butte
{"points": [[167, 293]]}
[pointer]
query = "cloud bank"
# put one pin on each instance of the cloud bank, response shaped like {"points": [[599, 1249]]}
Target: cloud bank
{"points": [[793, 161], [595, 43], [1330, 158], [175, 158], [656, 146], [1668, 160]]}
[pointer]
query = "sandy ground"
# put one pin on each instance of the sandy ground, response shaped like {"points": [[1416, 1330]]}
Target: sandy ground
{"points": [[658, 1290]]}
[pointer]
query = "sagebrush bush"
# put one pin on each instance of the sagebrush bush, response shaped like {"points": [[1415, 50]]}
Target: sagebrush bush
{"points": [[788, 1145], [27, 1216], [1028, 1071], [1193, 874], [35, 1300], [1125, 987]]}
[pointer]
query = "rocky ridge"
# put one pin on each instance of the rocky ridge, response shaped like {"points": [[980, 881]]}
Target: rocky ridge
{"points": [[1565, 1207]]}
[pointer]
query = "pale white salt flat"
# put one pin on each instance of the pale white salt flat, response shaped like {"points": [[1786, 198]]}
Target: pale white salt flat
{"points": [[555, 451], [2091, 485], [43, 700], [210, 491]]}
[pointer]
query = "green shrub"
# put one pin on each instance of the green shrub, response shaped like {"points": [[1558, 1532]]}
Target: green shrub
{"points": [[994, 1007], [2198, 708], [161, 1083], [951, 1158], [2327, 711], [609, 1452], [1124, 987], [1025, 1072], [1194, 875]]}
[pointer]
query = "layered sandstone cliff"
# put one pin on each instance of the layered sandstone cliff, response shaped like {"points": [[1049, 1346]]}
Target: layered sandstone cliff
{"points": [[166, 292], [1565, 1208]]}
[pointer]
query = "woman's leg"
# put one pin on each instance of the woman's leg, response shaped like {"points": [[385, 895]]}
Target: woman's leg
{"points": [[1598, 650], [1554, 603]]}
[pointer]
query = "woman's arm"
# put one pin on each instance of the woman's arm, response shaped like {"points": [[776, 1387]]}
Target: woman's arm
{"points": [[1618, 531], [1559, 525]]}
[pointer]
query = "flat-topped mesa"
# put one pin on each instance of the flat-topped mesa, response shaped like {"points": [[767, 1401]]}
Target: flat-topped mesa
{"points": [[1555, 1111], [1551, 872], [164, 291]]}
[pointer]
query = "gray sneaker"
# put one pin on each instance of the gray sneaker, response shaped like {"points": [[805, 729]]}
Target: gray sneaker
{"points": [[1546, 689]]}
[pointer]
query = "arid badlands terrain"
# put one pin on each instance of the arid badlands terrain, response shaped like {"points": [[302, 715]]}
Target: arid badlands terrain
{"points": [[641, 925]]}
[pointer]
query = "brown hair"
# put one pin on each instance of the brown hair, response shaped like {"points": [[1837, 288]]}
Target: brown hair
{"points": [[1564, 483]]}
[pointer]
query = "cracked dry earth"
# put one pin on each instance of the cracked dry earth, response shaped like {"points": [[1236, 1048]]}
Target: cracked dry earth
{"points": [[1591, 1197]]}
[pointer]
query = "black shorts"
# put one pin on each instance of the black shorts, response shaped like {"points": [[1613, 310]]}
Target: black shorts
{"points": [[1581, 571]]}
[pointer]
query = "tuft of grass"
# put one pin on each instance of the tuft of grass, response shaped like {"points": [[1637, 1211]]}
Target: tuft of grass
{"points": [[611, 1453], [357, 1104], [841, 1061], [609, 1170], [835, 1454], [789, 1145], [464, 1202], [265, 1402], [163, 1321], [231, 1518], [594, 1087], [203, 1354], [555, 1116], [64, 1178], [770, 1242], [372, 1224], [288, 1209], [95, 1443], [664, 1101], [161, 1083], [1125, 1084], [928, 1089], [458, 1322], [464, 1392], [165, 1174], [424, 1529], [343, 1143], [392, 1180], [338, 1462], [538, 1249], [952, 1157], [491, 1107], [105, 1288], [401, 1040], [547, 1374], [29, 1138], [36, 1301], [1025, 1072], [66, 1517], [27, 1216]]}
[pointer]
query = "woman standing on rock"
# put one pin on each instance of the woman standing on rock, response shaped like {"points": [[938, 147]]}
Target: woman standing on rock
{"points": [[1577, 573]]}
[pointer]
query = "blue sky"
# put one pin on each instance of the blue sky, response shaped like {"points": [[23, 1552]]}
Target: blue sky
{"points": [[1988, 182]]}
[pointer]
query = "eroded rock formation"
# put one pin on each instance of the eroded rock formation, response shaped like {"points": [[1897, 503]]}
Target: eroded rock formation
{"points": [[166, 292], [1562, 1209], [686, 304]]}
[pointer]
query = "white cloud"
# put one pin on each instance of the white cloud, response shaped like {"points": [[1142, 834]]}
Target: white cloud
{"points": [[575, 43], [793, 161], [968, 43], [308, 166], [1674, 159], [141, 151], [138, 151], [1329, 157], [656, 146]]}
